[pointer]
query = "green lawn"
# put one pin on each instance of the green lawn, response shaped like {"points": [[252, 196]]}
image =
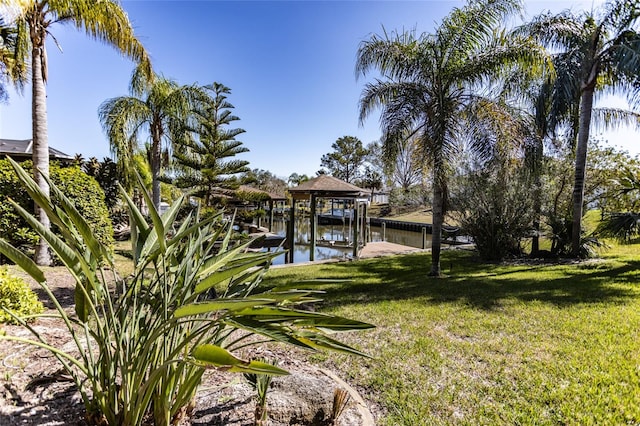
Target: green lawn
{"points": [[490, 344]]}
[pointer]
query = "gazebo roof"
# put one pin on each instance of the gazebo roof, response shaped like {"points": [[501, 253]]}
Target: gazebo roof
{"points": [[328, 187]]}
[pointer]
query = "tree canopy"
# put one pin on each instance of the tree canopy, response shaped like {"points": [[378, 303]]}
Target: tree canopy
{"points": [[346, 160], [601, 50], [158, 109], [205, 157], [104, 21], [429, 88]]}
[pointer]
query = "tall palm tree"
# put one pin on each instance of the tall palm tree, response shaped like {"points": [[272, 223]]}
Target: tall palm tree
{"points": [[157, 108], [604, 49], [430, 87], [104, 20]]}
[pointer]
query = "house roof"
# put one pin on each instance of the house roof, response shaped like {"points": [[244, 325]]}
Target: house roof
{"points": [[329, 187], [23, 149]]}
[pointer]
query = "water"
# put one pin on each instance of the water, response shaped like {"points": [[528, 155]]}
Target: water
{"points": [[339, 234]]}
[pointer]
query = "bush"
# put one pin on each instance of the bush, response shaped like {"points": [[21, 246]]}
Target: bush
{"points": [[622, 226], [248, 216], [496, 211], [13, 227], [16, 297], [88, 197], [560, 236], [106, 174], [81, 189]]}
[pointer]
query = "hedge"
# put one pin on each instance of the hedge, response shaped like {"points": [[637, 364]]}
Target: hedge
{"points": [[80, 188]]}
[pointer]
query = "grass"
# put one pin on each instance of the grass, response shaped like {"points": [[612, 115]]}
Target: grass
{"points": [[122, 257], [421, 216], [491, 344]]}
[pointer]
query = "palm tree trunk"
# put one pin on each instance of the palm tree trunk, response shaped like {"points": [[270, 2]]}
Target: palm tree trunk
{"points": [[537, 197], [537, 211], [438, 218], [586, 106], [40, 148]]}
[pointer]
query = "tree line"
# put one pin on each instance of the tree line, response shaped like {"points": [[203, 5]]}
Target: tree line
{"points": [[470, 99], [477, 85]]}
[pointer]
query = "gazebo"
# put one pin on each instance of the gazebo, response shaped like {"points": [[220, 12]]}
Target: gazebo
{"points": [[325, 186]]}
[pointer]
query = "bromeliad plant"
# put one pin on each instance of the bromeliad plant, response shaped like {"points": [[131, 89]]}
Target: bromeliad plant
{"points": [[143, 343]]}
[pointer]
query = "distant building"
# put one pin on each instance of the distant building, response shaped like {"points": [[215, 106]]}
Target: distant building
{"points": [[380, 197], [21, 150]]}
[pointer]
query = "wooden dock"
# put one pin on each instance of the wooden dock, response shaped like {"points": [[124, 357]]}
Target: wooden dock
{"points": [[382, 248]]}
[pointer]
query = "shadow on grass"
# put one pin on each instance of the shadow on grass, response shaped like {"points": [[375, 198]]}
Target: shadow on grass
{"points": [[477, 284]]}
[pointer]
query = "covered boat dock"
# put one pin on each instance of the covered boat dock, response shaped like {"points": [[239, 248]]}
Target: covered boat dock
{"points": [[328, 187]]}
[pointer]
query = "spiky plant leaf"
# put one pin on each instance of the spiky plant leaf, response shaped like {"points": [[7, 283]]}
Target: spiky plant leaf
{"points": [[220, 357], [20, 259]]}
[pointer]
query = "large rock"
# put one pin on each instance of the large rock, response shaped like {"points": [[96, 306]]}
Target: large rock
{"points": [[303, 398]]}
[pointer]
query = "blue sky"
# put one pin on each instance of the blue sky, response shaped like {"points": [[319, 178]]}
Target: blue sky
{"points": [[289, 64]]}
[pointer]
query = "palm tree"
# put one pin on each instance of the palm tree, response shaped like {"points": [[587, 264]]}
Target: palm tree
{"points": [[12, 67], [159, 109], [604, 50], [104, 20], [295, 179], [428, 87], [624, 226], [205, 159]]}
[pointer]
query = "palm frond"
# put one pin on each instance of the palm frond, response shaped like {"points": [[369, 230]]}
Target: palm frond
{"points": [[554, 31], [393, 55], [619, 15], [466, 28], [14, 52], [614, 118], [494, 59], [105, 21], [621, 226]]}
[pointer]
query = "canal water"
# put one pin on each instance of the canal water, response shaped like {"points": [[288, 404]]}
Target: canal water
{"points": [[339, 235]]}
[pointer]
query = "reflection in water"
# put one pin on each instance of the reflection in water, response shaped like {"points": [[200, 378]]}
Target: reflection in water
{"points": [[340, 235], [302, 241]]}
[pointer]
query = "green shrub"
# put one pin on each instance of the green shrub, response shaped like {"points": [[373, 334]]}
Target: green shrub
{"points": [[105, 172], [16, 297], [12, 226], [82, 190], [88, 197], [494, 207], [248, 216]]}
